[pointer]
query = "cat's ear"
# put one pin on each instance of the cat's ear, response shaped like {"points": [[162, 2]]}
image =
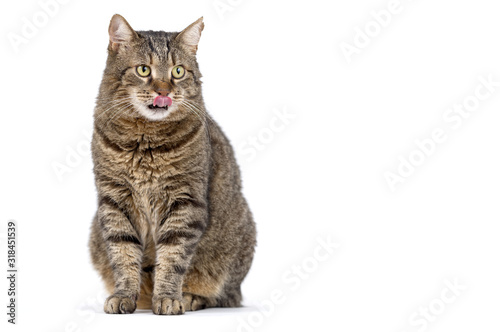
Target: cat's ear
{"points": [[190, 36], [120, 32]]}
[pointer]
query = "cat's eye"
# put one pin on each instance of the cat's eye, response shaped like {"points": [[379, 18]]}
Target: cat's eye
{"points": [[143, 71], [178, 72]]}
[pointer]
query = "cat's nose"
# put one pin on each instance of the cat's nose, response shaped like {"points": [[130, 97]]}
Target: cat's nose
{"points": [[163, 92]]}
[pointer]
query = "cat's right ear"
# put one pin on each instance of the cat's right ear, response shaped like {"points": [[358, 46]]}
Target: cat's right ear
{"points": [[120, 33]]}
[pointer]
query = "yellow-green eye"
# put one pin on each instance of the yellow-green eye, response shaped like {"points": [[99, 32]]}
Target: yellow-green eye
{"points": [[143, 71], [178, 72]]}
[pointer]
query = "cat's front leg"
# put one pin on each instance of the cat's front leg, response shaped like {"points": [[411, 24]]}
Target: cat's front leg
{"points": [[177, 237], [125, 251]]}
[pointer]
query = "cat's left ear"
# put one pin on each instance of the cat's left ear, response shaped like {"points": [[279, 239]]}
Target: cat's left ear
{"points": [[190, 36]]}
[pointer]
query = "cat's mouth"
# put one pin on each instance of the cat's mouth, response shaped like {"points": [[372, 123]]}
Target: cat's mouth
{"points": [[157, 108], [161, 102]]}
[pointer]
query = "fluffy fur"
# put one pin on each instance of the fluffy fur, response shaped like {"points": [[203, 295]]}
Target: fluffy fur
{"points": [[173, 231]]}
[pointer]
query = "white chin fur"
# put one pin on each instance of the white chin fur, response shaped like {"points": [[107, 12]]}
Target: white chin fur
{"points": [[153, 115]]}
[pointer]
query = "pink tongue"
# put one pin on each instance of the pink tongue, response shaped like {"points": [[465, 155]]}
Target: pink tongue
{"points": [[162, 101]]}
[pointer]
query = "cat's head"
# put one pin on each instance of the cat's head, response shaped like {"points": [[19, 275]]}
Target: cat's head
{"points": [[152, 73]]}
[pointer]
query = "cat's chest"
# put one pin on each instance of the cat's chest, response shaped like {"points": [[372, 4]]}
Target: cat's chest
{"points": [[146, 166], [148, 175], [147, 172], [151, 202]]}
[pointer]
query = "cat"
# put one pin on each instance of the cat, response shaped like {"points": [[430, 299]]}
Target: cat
{"points": [[172, 231]]}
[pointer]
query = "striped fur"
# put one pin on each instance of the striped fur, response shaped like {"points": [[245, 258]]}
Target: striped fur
{"points": [[172, 230]]}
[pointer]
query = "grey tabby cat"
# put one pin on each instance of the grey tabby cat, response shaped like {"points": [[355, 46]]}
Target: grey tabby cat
{"points": [[173, 231]]}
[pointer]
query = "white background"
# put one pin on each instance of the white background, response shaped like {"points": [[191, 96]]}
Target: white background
{"points": [[321, 176]]}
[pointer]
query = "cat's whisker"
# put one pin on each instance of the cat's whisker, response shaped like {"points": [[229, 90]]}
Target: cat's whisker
{"points": [[193, 111], [117, 103], [116, 106], [114, 102], [113, 99], [203, 123], [117, 112], [201, 110]]}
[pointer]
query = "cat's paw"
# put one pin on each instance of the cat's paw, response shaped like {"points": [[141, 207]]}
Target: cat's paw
{"points": [[164, 305], [119, 304], [194, 302]]}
